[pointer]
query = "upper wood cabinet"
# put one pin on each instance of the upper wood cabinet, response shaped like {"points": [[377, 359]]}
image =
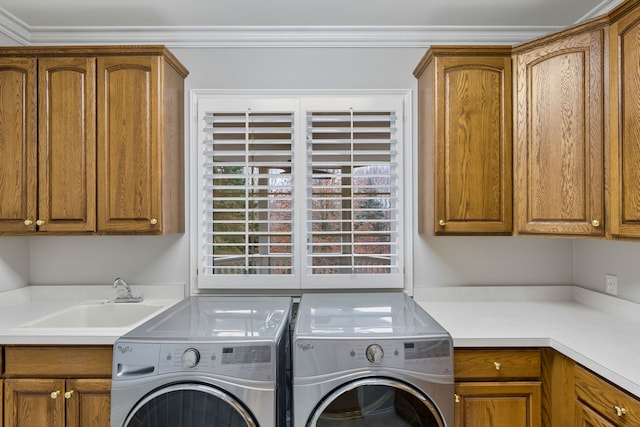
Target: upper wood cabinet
{"points": [[91, 140], [624, 110], [18, 144], [559, 140], [140, 145], [464, 114]]}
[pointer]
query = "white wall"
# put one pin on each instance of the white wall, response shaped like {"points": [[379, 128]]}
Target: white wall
{"points": [[14, 262], [438, 261], [595, 258]]}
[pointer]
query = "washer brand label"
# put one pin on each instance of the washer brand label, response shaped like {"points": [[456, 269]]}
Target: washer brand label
{"points": [[124, 349], [305, 346]]}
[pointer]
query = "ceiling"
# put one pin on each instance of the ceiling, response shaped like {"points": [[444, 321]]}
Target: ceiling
{"points": [[34, 21], [82, 13]]}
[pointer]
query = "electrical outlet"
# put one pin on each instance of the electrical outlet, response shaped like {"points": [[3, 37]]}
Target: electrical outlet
{"points": [[611, 284]]}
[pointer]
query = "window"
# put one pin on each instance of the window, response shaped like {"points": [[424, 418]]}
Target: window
{"points": [[299, 192]]}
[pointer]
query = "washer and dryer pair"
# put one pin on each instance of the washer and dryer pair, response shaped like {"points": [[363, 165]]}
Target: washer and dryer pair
{"points": [[355, 359]]}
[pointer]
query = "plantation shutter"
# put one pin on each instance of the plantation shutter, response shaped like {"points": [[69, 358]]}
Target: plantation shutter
{"points": [[247, 194], [352, 193]]}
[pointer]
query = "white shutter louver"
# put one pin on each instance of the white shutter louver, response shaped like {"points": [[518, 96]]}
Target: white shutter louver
{"points": [[352, 193], [247, 193]]}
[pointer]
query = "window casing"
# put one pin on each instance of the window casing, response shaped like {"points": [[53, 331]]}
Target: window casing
{"points": [[300, 192]]}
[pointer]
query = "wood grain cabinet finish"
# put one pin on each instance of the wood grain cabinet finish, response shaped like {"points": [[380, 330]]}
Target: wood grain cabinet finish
{"points": [[140, 146], [48, 182], [559, 141], [60, 386], [465, 122], [18, 144], [597, 399], [624, 108], [498, 388], [91, 140]]}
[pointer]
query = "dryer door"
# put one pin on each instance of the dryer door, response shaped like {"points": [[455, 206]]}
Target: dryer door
{"points": [[376, 402], [189, 405]]}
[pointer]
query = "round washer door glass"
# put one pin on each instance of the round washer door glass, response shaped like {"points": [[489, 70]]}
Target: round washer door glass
{"points": [[376, 403], [189, 405]]}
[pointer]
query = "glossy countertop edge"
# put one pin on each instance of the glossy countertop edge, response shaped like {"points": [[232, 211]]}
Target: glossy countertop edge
{"points": [[25, 304], [596, 330]]}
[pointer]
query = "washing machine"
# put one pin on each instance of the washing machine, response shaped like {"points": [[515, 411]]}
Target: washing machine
{"points": [[208, 361], [370, 359]]}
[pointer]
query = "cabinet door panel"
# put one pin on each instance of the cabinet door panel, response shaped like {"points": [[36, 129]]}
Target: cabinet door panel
{"points": [[88, 403], [625, 126], [18, 146], [498, 404], [128, 144], [465, 140], [473, 161], [67, 144], [559, 143], [586, 417], [29, 403]]}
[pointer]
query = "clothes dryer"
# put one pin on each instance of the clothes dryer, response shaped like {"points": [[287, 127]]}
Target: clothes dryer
{"points": [[370, 359]]}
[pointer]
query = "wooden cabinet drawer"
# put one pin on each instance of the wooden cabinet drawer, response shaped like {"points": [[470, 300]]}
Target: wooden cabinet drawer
{"points": [[611, 402], [58, 361], [496, 364]]}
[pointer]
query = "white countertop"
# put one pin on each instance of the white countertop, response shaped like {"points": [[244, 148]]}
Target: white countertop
{"points": [[33, 302], [596, 330]]}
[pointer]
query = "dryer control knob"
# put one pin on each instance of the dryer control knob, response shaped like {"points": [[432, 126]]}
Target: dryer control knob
{"points": [[374, 353], [190, 358]]}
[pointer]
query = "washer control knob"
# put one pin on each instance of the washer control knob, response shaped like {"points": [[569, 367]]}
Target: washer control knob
{"points": [[190, 358], [374, 353]]}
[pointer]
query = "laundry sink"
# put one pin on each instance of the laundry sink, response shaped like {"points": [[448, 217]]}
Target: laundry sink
{"points": [[96, 314]]}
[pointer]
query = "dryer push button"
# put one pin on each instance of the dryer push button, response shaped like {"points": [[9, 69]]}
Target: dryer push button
{"points": [[374, 353]]}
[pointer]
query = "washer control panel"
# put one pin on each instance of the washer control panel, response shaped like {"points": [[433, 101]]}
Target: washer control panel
{"points": [[253, 361]]}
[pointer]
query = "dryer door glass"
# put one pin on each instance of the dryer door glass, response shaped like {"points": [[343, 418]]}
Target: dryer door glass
{"points": [[189, 405], [376, 405]]}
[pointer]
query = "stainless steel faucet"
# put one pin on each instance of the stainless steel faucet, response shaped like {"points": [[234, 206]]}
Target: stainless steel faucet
{"points": [[128, 297]]}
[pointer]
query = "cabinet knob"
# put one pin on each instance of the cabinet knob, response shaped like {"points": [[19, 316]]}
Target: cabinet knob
{"points": [[595, 223], [442, 222], [28, 222], [620, 410], [68, 394], [40, 222], [55, 394], [456, 397], [497, 365], [153, 221]]}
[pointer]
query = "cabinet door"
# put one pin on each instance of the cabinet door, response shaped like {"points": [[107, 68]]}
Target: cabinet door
{"points": [[465, 141], [624, 153], [129, 145], [587, 417], [88, 402], [498, 404], [18, 145], [34, 402], [558, 157], [66, 144]]}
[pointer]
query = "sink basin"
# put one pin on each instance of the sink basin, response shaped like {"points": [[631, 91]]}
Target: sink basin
{"points": [[97, 315]]}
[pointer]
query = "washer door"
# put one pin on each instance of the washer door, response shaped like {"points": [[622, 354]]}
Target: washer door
{"points": [[373, 402], [189, 405]]}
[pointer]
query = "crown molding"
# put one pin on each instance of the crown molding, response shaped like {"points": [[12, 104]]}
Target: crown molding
{"points": [[602, 8], [282, 37], [13, 28]]}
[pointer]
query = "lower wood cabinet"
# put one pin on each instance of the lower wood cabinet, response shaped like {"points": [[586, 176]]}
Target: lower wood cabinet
{"points": [[498, 404], [62, 386], [600, 403], [57, 402], [498, 388]]}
